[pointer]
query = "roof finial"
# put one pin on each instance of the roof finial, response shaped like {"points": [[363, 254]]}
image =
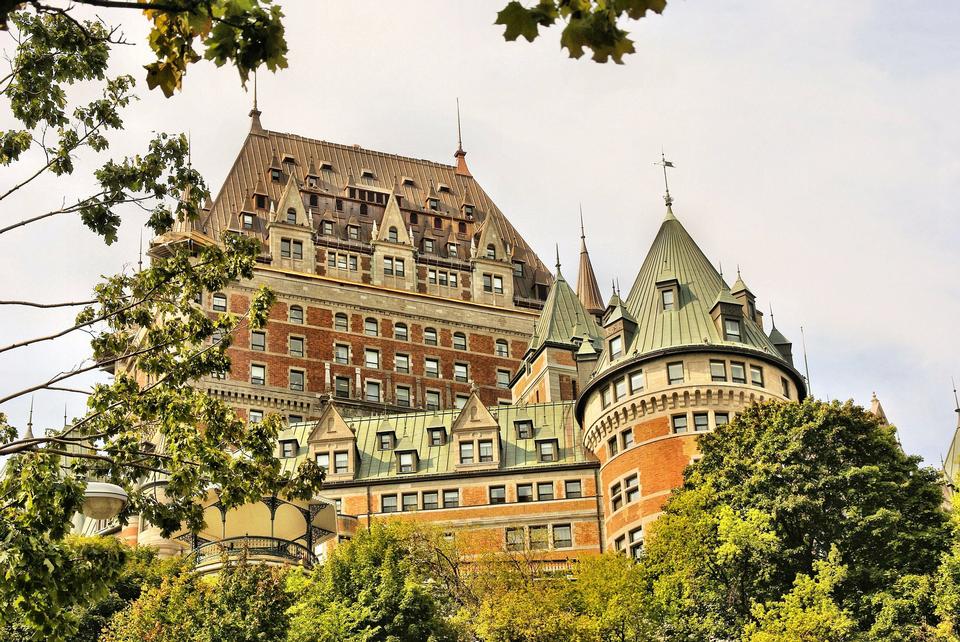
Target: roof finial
{"points": [[618, 286], [956, 400], [140, 258], [255, 112], [64, 414], [583, 234], [772, 321], [721, 270], [806, 365], [557, 245], [738, 270], [664, 163], [459, 134], [29, 433], [460, 155]]}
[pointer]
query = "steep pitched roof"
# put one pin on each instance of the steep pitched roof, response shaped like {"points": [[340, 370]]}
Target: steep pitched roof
{"points": [[701, 286], [393, 218], [563, 317], [260, 149], [588, 290]]}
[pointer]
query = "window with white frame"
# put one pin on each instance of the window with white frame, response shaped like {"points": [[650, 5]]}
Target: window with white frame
{"points": [[297, 380], [258, 374], [401, 363], [500, 348], [341, 353]]}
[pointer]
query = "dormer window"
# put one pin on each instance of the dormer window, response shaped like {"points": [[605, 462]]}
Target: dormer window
{"points": [[667, 298], [288, 448], [443, 188], [367, 173], [616, 347], [491, 252], [292, 216], [438, 436], [326, 166], [407, 462], [437, 223], [261, 201], [311, 181], [353, 232], [428, 246], [408, 182], [518, 268], [468, 211], [247, 221], [392, 235], [524, 428], [548, 450], [275, 175], [386, 440], [731, 329], [433, 203], [326, 228]]}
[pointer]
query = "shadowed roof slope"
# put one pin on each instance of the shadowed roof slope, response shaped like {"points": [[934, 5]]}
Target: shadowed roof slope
{"points": [[673, 251], [563, 318]]}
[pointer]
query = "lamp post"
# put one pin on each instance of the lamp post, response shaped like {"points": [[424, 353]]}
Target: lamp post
{"points": [[102, 500]]}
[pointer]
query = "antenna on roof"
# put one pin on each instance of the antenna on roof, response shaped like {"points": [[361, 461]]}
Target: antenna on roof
{"points": [[664, 163], [64, 414], [140, 258], [557, 245], [806, 365], [772, 322]]}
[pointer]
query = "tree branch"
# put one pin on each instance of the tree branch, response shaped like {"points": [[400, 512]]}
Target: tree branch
{"points": [[33, 304]]}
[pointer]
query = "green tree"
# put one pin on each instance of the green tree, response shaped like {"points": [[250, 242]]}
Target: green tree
{"points": [[144, 325], [590, 24], [372, 588], [774, 493]]}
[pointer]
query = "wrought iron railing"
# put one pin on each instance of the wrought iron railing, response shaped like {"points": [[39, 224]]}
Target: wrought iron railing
{"points": [[256, 549]]}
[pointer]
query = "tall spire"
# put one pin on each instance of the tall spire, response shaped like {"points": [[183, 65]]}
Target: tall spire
{"points": [[664, 163], [460, 155], [588, 290], [254, 114], [557, 246], [29, 433]]}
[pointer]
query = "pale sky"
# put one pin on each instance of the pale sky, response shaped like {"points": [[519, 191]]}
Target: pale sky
{"points": [[814, 146]]}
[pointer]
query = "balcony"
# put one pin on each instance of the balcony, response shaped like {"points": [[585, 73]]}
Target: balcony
{"points": [[270, 550]]}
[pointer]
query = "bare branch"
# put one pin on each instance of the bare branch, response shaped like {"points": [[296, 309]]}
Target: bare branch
{"points": [[33, 304]]}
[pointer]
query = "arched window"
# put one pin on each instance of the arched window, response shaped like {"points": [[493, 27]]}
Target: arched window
{"points": [[462, 227], [370, 327], [363, 209], [340, 322], [400, 332], [500, 348], [491, 251], [392, 235], [292, 216], [459, 341], [296, 314], [430, 336]]}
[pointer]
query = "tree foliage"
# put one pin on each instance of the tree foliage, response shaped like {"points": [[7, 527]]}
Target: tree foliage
{"points": [[588, 24]]}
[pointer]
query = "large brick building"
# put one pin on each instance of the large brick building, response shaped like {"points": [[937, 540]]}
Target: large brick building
{"points": [[496, 401]]}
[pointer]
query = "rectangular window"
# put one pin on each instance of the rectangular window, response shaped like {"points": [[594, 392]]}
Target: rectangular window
{"points": [[341, 462], [258, 374], [666, 296], [432, 276], [524, 492], [785, 386], [675, 372], [616, 347], [488, 283], [460, 372], [410, 502], [296, 346], [544, 491], [518, 268], [340, 322], [326, 227], [503, 378], [256, 416], [388, 266], [432, 399], [718, 371], [460, 401], [428, 246], [341, 261], [442, 278], [370, 327], [372, 391], [679, 424], [515, 538], [498, 495], [636, 381], [331, 260], [721, 419], [626, 438], [547, 450], [438, 436], [636, 542], [459, 341], [620, 543], [524, 428], [248, 218], [701, 422], [297, 249], [342, 387], [294, 419], [631, 488], [296, 380], [453, 279], [431, 367], [398, 267], [353, 263], [485, 446], [258, 341], [341, 353], [562, 536], [605, 396], [403, 396], [731, 329], [498, 285], [371, 358], [285, 248], [451, 249], [538, 538], [756, 376], [429, 336], [388, 503], [738, 372], [613, 446], [620, 388], [451, 498], [466, 452], [353, 232], [430, 499], [219, 303], [386, 440], [572, 489], [616, 498], [323, 460], [402, 363], [407, 463]]}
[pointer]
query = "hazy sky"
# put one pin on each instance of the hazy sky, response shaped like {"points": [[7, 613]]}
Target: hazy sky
{"points": [[814, 146]]}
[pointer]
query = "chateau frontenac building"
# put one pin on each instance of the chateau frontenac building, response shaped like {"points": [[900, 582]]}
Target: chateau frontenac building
{"points": [[425, 357]]}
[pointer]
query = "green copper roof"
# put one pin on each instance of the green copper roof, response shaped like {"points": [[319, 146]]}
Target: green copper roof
{"points": [[550, 421], [701, 286], [563, 317], [776, 337]]}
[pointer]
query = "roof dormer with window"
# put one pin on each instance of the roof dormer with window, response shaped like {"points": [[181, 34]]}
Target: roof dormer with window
{"points": [[333, 443], [475, 436]]}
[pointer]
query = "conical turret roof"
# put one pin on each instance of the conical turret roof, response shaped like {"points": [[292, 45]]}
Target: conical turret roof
{"points": [[563, 317], [701, 287], [588, 290]]}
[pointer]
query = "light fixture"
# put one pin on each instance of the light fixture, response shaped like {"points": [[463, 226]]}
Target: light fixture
{"points": [[102, 500]]}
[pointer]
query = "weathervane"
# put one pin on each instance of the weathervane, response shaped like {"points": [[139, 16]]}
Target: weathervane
{"points": [[664, 163]]}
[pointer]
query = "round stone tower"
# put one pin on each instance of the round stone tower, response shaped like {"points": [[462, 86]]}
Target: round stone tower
{"points": [[681, 355]]}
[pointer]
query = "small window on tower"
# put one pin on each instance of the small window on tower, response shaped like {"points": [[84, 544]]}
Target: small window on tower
{"points": [[731, 329], [616, 347], [292, 216], [667, 297], [248, 221]]}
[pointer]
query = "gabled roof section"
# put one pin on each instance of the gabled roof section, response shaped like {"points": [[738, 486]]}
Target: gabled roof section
{"points": [[392, 217], [330, 427], [291, 198], [474, 416], [563, 317], [700, 286], [588, 290], [491, 234]]}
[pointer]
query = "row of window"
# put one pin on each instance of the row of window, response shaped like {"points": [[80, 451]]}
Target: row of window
{"points": [[538, 537], [340, 261], [680, 424], [626, 491], [387, 440], [426, 500], [630, 543]]}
